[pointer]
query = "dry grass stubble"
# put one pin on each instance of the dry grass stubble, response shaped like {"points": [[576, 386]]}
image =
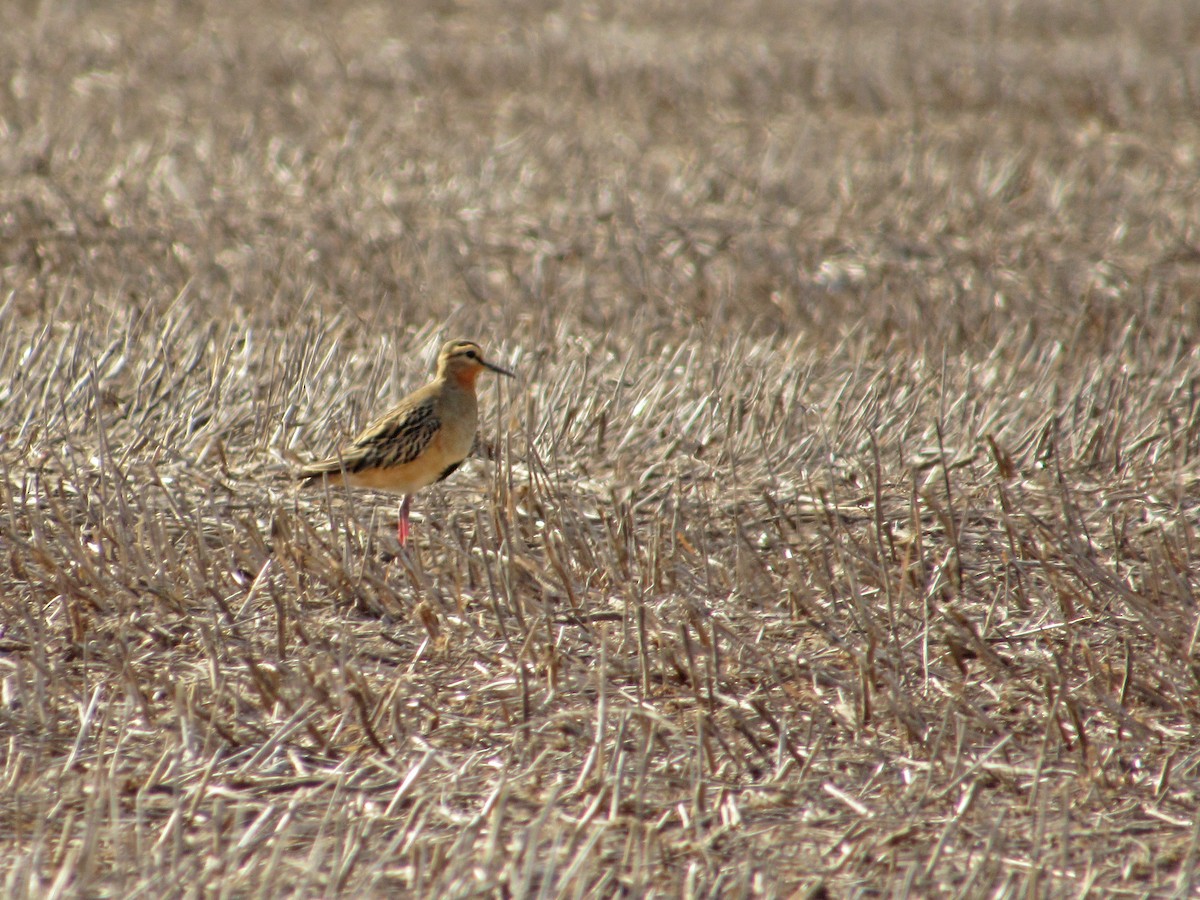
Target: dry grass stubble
{"points": [[842, 526]]}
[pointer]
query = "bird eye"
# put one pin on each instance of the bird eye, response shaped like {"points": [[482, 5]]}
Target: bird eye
{"points": [[471, 354]]}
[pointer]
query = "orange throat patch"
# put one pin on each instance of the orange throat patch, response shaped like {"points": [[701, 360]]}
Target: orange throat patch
{"points": [[466, 378]]}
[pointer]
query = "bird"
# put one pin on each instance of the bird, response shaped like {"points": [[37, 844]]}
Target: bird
{"points": [[420, 440]]}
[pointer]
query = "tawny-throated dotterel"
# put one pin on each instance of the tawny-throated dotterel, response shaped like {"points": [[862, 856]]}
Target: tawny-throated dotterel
{"points": [[420, 440]]}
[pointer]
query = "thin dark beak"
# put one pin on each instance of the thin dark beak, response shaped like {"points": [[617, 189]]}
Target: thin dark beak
{"points": [[496, 368]]}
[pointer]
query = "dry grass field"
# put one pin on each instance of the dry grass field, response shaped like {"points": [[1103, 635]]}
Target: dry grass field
{"points": [[839, 538]]}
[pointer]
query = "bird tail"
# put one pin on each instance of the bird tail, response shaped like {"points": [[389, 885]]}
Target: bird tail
{"points": [[331, 468]]}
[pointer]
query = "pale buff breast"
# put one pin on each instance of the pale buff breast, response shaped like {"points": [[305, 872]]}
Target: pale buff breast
{"points": [[459, 415]]}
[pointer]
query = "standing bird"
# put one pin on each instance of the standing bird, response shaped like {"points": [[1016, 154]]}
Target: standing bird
{"points": [[421, 439]]}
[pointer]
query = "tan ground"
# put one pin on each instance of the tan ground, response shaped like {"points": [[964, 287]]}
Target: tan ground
{"points": [[842, 534]]}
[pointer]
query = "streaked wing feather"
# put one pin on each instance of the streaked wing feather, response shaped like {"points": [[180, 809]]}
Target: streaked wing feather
{"points": [[394, 439]]}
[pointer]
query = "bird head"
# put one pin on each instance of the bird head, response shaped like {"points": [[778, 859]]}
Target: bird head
{"points": [[462, 361]]}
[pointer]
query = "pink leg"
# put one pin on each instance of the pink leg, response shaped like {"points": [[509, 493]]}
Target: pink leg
{"points": [[402, 528]]}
